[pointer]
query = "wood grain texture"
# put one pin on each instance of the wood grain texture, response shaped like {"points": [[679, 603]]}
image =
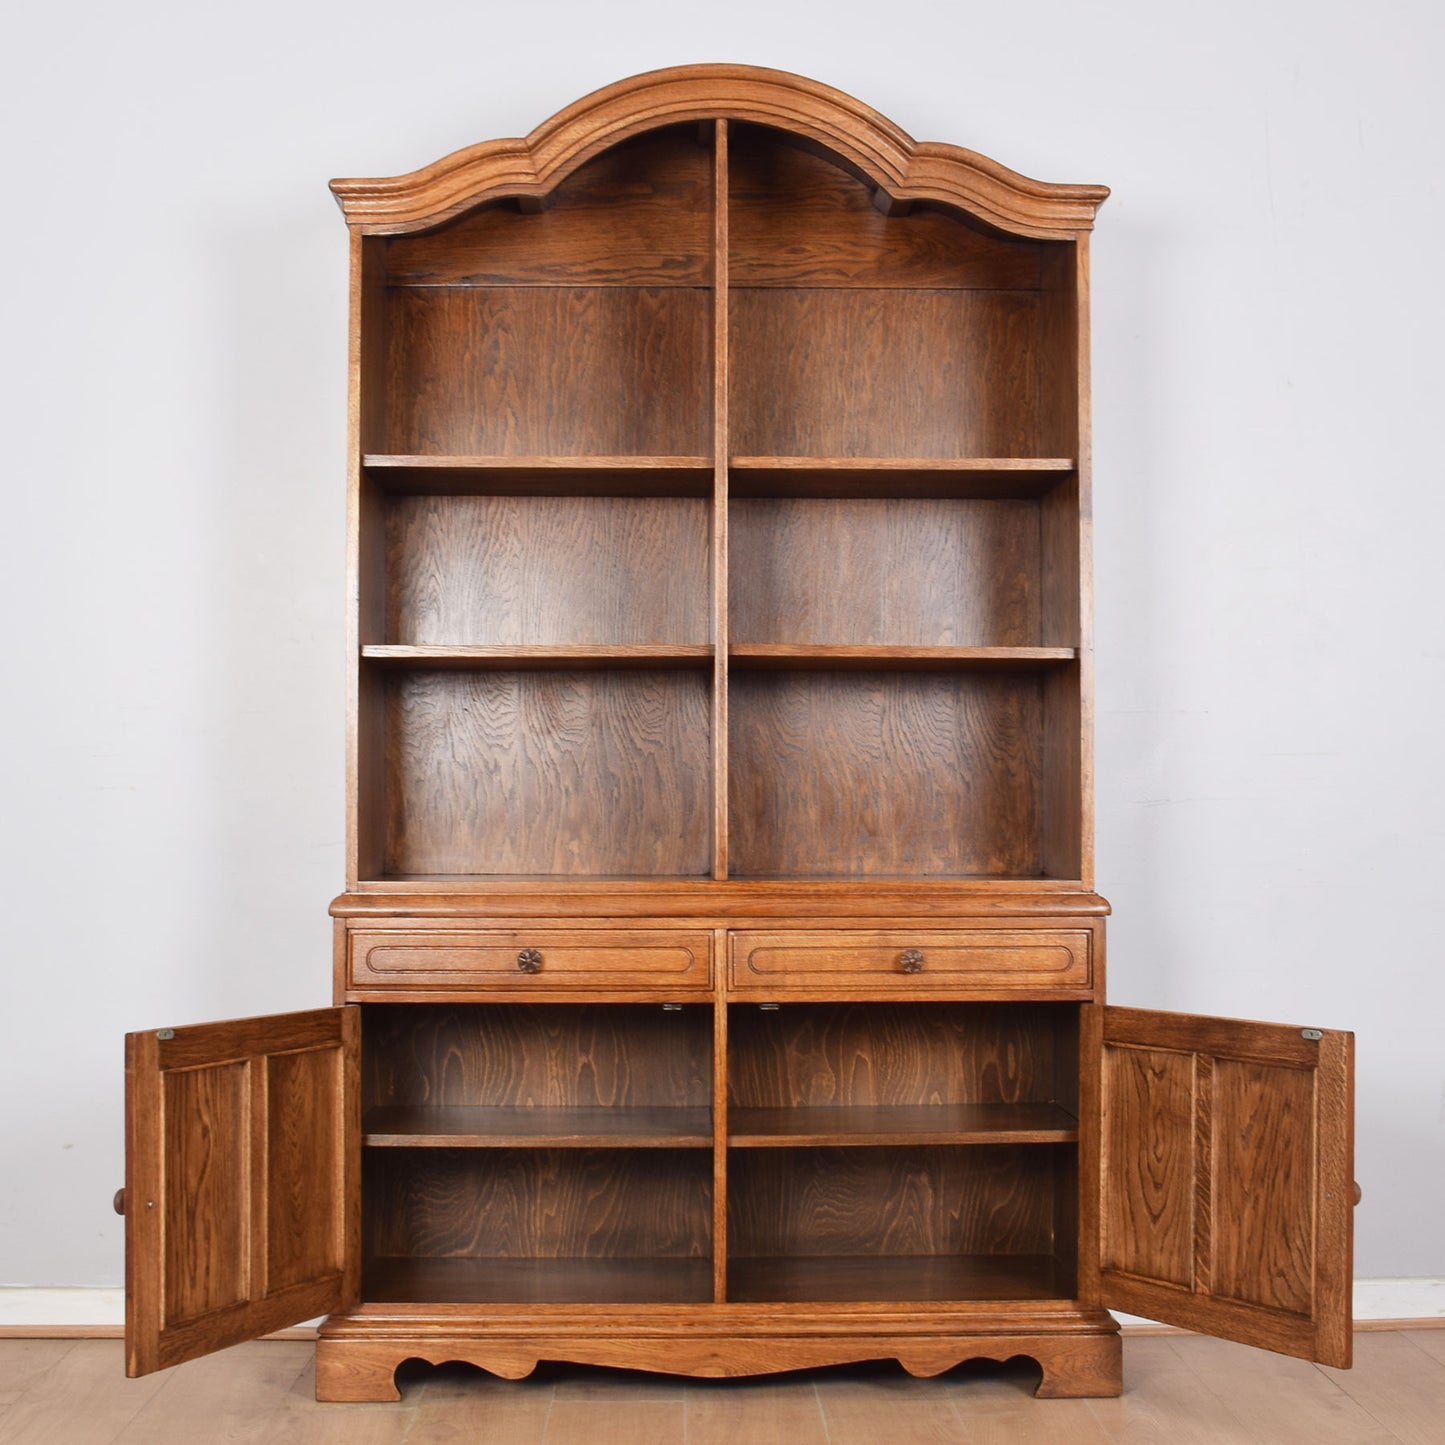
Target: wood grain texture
{"points": [[545, 370], [981, 478], [585, 961], [544, 772], [538, 656], [868, 1126], [542, 1056], [539, 476], [1248, 1127], [858, 775], [544, 1281], [869, 373], [526, 570], [906, 1200], [1149, 1150], [913, 1278], [1263, 1167], [883, 1055], [843, 657], [640, 214], [242, 1143], [799, 219], [862, 139], [604, 1204], [451, 1126], [904, 572]]}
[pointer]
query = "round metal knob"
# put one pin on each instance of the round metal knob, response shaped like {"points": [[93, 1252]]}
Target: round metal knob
{"points": [[118, 1203], [1359, 1193], [911, 960], [529, 961]]}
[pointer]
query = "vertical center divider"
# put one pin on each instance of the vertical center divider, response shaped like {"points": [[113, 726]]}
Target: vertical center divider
{"points": [[720, 704], [720, 1120], [720, 502]]}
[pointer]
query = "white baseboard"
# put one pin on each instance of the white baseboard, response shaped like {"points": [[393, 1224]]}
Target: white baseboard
{"points": [[101, 1312]]}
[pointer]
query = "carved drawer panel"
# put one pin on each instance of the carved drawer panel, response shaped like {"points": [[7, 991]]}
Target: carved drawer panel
{"points": [[902, 962], [526, 960]]}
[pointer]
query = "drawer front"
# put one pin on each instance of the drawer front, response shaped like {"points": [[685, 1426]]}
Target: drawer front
{"points": [[527, 960], [919, 962]]}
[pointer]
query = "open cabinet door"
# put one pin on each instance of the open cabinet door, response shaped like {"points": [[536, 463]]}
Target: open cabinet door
{"points": [[1228, 1179], [242, 1197]]}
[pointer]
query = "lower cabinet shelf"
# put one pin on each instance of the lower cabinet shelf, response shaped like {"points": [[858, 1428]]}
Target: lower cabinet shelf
{"points": [[539, 1281], [897, 1279]]}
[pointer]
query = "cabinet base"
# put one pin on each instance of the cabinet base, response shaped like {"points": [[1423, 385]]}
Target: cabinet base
{"points": [[357, 1354]]}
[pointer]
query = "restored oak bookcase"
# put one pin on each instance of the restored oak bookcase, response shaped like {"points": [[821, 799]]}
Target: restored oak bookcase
{"points": [[719, 975]]}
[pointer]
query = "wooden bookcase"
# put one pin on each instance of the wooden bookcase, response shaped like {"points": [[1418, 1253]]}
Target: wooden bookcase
{"points": [[719, 976]]}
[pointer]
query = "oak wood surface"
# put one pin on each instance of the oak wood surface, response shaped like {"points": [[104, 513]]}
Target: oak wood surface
{"points": [[906, 573], [982, 478], [799, 219], [608, 1058], [242, 1201], [839, 1279], [605, 960], [903, 1200], [870, 1125], [874, 372], [456, 1126], [1227, 1178], [555, 570], [538, 1203], [537, 657], [509, 772], [845, 774], [640, 214], [540, 476], [567, 1280], [532, 371]]}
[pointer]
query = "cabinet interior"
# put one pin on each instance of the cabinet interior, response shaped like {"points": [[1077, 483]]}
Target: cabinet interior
{"points": [[571, 1153], [718, 526]]}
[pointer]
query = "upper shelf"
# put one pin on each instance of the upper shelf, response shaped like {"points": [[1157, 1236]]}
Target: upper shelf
{"points": [[543, 476], [692, 476], [901, 168]]}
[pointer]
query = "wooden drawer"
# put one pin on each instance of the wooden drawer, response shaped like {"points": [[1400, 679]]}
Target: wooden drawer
{"points": [[526, 960], [982, 959]]}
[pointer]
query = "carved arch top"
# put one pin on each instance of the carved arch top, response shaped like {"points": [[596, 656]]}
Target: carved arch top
{"points": [[904, 169]]}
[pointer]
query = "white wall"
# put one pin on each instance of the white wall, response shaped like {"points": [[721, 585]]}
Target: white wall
{"points": [[1269, 502]]}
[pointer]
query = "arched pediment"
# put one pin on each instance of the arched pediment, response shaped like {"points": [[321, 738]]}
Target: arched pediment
{"points": [[902, 168]]}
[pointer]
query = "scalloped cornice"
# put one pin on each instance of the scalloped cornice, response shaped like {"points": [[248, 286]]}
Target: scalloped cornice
{"points": [[904, 169]]}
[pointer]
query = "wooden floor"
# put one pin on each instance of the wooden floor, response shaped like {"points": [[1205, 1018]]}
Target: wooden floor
{"points": [[1180, 1390]]}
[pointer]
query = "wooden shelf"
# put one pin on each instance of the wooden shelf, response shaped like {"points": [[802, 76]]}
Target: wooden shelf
{"points": [[895, 1279], [511, 657], [538, 1281], [470, 1127], [865, 657], [980, 477], [902, 1124], [542, 476]]}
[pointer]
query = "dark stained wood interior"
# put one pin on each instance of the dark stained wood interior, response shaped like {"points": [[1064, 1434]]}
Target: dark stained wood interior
{"points": [[515, 773], [522, 570], [878, 774], [537, 1203], [543, 1056]]}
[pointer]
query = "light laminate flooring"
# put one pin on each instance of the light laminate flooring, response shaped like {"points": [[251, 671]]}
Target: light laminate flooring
{"points": [[1179, 1390]]}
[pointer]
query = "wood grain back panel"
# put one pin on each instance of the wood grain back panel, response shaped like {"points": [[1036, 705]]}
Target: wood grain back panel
{"points": [[842, 774], [840, 1055], [538, 1203], [874, 372], [904, 571], [548, 772], [798, 218], [541, 1055], [903, 1201], [537, 371], [528, 570], [640, 214]]}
